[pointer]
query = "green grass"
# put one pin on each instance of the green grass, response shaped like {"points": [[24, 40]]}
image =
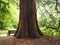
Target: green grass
{"points": [[49, 31], [3, 31]]}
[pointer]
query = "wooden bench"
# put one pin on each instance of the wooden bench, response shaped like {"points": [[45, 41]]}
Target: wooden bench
{"points": [[11, 32]]}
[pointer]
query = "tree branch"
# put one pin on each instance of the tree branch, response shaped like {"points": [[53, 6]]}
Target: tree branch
{"points": [[56, 7]]}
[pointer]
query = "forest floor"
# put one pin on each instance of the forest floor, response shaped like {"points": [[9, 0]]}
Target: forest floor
{"points": [[43, 40]]}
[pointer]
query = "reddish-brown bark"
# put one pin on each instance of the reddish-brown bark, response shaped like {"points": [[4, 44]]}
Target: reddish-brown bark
{"points": [[28, 26]]}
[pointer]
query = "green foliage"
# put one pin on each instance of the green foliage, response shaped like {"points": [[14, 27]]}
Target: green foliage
{"points": [[8, 14], [50, 32], [48, 17]]}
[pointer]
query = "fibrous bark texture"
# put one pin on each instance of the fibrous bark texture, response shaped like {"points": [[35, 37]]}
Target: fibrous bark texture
{"points": [[28, 26]]}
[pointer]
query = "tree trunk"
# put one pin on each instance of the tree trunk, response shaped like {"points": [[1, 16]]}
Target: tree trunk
{"points": [[28, 26]]}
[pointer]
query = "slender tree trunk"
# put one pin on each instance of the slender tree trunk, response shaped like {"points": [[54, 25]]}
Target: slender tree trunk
{"points": [[28, 26]]}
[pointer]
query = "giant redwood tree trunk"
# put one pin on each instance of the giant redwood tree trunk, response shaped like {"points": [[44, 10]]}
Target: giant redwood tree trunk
{"points": [[28, 26]]}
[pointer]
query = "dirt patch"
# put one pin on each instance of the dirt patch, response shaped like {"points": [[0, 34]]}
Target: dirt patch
{"points": [[43, 40]]}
